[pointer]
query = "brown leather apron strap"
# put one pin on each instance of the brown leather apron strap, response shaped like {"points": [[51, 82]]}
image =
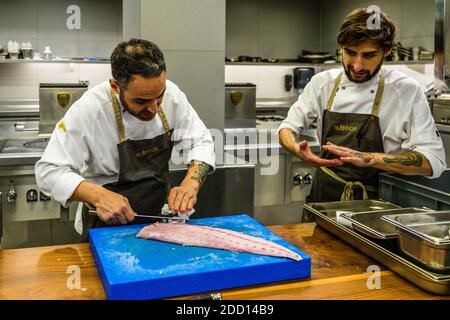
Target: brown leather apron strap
{"points": [[164, 120], [118, 117], [119, 122], [378, 96], [333, 93], [347, 193]]}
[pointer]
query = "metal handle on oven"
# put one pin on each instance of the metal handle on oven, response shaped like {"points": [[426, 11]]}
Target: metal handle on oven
{"points": [[21, 126], [12, 195], [443, 128]]}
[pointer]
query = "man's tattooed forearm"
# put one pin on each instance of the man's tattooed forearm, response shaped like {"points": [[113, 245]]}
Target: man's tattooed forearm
{"points": [[200, 173], [406, 159], [366, 157]]}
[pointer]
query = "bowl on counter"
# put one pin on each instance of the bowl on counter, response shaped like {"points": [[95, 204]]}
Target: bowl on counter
{"points": [[425, 237]]}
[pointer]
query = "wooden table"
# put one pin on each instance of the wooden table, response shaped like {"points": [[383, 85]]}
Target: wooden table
{"points": [[338, 272]]}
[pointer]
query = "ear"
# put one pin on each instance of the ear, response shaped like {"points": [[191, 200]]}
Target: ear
{"points": [[114, 85], [387, 52]]}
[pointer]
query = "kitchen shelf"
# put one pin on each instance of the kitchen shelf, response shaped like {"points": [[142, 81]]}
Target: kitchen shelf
{"points": [[100, 60], [297, 63]]}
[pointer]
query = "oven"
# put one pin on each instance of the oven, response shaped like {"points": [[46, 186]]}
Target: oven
{"points": [[240, 100], [29, 217], [281, 181], [441, 114]]}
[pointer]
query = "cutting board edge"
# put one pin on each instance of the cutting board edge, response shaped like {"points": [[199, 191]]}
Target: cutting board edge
{"points": [[188, 284]]}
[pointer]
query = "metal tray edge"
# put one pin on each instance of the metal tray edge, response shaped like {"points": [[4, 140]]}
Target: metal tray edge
{"points": [[421, 278]]}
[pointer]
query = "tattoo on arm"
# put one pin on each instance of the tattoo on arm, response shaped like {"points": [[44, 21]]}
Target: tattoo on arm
{"points": [[406, 159], [200, 173], [366, 157]]}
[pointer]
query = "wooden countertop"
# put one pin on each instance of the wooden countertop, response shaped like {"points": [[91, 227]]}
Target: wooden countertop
{"points": [[338, 272]]}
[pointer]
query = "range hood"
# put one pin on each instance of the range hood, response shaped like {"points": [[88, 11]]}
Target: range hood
{"points": [[442, 45]]}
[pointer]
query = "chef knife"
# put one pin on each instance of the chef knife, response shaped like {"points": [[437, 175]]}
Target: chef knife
{"points": [[94, 213]]}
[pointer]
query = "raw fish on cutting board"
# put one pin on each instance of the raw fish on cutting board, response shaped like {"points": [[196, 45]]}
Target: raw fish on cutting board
{"points": [[134, 268], [218, 238]]}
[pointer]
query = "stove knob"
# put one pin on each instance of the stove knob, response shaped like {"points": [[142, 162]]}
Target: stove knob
{"points": [[298, 179], [307, 178], [43, 197], [12, 195], [32, 195]]}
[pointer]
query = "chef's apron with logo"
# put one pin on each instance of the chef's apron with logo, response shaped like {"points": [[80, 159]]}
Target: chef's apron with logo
{"points": [[143, 172], [359, 132]]}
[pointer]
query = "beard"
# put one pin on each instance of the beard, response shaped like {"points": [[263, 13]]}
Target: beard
{"points": [[143, 115], [368, 74]]}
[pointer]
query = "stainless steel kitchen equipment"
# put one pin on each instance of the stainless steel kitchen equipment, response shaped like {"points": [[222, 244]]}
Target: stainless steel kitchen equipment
{"points": [[416, 191], [442, 43], [441, 114], [54, 101], [219, 195], [330, 209], [425, 237], [240, 105], [372, 225], [30, 218], [392, 258]]}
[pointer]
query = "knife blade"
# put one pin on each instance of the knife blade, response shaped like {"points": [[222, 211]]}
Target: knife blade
{"points": [[94, 213], [160, 217]]}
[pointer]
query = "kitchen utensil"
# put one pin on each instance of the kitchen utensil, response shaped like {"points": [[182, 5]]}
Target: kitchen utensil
{"points": [[392, 258], [47, 53], [165, 218], [371, 224], [424, 237]]}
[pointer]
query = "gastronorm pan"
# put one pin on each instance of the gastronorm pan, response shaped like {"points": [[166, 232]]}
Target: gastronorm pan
{"points": [[331, 208], [402, 264], [371, 223], [425, 237]]}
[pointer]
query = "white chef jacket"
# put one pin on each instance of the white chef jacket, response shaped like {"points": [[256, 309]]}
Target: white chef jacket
{"points": [[405, 118], [83, 145]]}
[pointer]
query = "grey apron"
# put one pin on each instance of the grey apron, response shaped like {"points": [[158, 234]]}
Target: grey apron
{"points": [[143, 172], [359, 132]]}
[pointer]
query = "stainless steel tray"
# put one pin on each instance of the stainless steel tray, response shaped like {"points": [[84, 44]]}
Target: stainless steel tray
{"points": [[371, 224], [425, 237], [430, 281], [331, 208]]}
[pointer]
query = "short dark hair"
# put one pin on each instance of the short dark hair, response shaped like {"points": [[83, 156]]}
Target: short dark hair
{"points": [[355, 29], [136, 57]]}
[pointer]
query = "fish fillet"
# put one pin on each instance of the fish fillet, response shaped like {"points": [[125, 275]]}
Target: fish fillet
{"points": [[202, 236]]}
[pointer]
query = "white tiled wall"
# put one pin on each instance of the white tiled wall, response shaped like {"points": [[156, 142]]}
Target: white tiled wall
{"points": [[414, 20], [272, 28], [21, 80], [269, 80], [283, 28]]}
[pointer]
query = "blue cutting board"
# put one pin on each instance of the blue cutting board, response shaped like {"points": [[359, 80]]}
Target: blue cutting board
{"points": [[134, 268]]}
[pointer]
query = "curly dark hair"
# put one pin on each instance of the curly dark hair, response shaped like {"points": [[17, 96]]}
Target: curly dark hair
{"points": [[136, 57], [355, 29]]}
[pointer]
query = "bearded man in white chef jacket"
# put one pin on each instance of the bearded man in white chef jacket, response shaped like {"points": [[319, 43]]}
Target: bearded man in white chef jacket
{"points": [[111, 150], [368, 119]]}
